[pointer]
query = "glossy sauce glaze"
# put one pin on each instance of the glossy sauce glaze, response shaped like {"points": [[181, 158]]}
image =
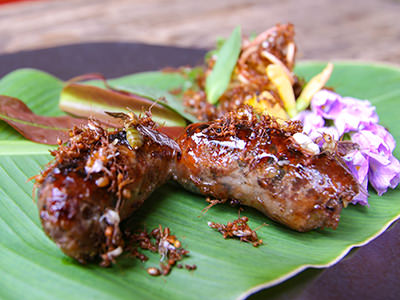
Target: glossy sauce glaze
{"points": [[257, 162], [97, 180]]}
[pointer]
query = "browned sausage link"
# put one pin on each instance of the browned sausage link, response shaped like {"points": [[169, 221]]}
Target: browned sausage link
{"points": [[97, 180], [257, 162]]}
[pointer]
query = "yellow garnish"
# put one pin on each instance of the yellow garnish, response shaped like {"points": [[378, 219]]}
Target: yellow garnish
{"points": [[313, 86], [266, 104], [282, 83]]}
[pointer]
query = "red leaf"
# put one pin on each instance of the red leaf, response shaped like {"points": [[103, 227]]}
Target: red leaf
{"points": [[91, 101], [40, 129]]}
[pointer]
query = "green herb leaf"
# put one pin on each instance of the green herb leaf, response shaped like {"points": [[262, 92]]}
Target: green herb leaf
{"points": [[165, 81], [218, 80], [157, 85], [220, 42], [159, 96], [191, 75]]}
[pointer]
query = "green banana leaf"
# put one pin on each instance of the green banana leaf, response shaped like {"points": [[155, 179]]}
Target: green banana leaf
{"points": [[156, 85], [32, 267]]}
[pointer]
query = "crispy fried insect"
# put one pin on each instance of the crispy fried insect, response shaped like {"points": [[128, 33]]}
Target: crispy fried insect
{"points": [[162, 241], [238, 229]]}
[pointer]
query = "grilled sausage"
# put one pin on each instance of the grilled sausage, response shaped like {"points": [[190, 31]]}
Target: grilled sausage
{"points": [[97, 180], [259, 163]]}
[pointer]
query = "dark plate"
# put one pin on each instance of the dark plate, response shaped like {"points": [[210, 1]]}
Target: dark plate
{"points": [[370, 272]]}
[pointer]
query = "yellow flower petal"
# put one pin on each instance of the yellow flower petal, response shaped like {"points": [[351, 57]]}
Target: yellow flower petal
{"points": [[282, 83]]}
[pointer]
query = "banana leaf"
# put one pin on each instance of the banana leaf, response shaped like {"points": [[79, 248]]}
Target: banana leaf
{"points": [[32, 267]]}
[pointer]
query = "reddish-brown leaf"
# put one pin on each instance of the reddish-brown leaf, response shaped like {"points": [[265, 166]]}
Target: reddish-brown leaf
{"points": [[46, 130], [40, 129], [91, 101]]}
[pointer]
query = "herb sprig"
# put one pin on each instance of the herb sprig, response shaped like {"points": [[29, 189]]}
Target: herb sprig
{"points": [[218, 81]]}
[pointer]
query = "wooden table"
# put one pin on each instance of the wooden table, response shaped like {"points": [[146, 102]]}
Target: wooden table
{"points": [[326, 29]]}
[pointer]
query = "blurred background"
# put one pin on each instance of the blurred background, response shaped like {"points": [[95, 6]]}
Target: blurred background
{"points": [[326, 29]]}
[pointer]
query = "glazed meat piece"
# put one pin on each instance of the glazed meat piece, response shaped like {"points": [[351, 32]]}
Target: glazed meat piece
{"points": [[97, 180], [267, 165]]}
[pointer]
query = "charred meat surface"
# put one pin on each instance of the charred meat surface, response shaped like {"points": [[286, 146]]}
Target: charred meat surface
{"points": [[258, 162], [100, 178], [97, 180]]}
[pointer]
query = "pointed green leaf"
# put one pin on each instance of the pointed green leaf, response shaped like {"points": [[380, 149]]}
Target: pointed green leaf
{"points": [[161, 97], [227, 56], [155, 86]]}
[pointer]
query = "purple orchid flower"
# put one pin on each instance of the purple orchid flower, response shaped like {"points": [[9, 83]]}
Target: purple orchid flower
{"points": [[327, 104], [374, 161], [310, 120], [355, 115], [348, 113], [384, 169]]}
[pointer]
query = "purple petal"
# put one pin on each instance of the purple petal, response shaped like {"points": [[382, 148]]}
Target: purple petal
{"points": [[327, 104], [362, 196], [355, 115], [349, 114], [379, 160], [320, 132], [382, 176], [310, 120], [372, 143], [358, 165], [384, 134], [346, 122], [363, 107]]}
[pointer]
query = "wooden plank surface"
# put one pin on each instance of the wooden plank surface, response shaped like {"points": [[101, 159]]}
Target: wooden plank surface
{"points": [[326, 29]]}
